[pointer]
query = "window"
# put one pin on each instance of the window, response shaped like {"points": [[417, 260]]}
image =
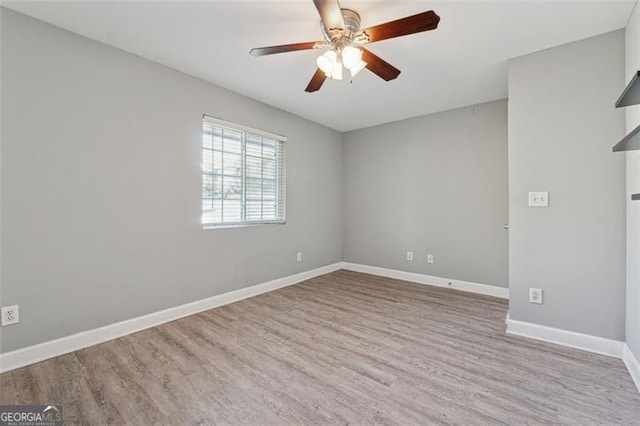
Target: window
{"points": [[243, 179]]}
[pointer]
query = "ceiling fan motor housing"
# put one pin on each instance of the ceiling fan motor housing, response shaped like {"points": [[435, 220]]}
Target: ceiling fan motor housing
{"points": [[339, 37]]}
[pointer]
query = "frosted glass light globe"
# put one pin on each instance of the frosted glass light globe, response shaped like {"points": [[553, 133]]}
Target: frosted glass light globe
{"points": [[357, 68], [351, 56], [336, 73], [327, 61]]}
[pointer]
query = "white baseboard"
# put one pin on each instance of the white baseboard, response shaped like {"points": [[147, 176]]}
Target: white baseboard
{"points": [[471, 287], [586, 342], [40, 352], [633, 365]]}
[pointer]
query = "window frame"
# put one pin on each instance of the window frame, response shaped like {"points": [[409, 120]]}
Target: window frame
{"points": [[280, 165]]}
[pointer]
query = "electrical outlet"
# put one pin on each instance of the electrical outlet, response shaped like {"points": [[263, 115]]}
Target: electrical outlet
{"points": [[429, 258], [299, 256], [538, 199], [410, 255], [535, 295], [10, 315]]}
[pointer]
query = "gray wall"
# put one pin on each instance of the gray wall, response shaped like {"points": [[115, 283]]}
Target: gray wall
{"points": [[632, 61], [101, 187], [562, 126], [432, 184]]}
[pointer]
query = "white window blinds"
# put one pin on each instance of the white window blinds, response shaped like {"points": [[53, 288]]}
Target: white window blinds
{"points": [[243, 180]]}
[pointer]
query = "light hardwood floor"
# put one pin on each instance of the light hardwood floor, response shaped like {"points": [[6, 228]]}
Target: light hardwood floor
{"points": [[342, 348]]}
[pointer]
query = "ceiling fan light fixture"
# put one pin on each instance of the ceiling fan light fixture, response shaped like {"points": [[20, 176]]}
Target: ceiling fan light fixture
{"points": [[351, 56], [344, 38]]}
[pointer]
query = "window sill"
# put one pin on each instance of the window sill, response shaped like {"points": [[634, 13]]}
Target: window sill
{"points": [[239, 225]]}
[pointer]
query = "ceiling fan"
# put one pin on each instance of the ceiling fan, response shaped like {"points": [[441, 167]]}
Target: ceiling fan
{"points": [[342, 34]]}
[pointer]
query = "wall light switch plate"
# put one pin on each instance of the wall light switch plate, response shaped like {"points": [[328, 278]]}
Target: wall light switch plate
{"points": [[538, 199]]}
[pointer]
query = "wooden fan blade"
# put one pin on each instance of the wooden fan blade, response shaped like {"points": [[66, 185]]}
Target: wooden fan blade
{"points": [[261, 51], [379, 66], [316, 81], [330, 13], [401, 27]]}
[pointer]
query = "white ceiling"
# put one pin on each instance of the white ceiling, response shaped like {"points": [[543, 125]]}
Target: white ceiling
{"points": [[463, 62]]}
